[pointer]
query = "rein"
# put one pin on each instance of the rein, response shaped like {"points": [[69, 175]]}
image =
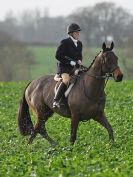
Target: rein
{"points": [[107, 75]]}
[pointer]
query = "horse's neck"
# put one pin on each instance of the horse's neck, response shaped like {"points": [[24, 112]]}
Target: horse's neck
{"points": [[95, 69], [92, 84]]}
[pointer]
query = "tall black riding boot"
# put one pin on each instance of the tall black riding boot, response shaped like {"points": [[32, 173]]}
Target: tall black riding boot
{"points": [[60, 91]]}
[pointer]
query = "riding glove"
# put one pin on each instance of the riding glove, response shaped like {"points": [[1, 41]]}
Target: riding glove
{"points": [[72, 63]]}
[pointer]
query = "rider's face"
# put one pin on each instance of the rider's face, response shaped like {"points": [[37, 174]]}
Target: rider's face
{"points": [[76, 35]]}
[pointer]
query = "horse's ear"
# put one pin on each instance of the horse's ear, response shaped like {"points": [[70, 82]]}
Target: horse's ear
{"points": [[112, 45], [104, 46]]}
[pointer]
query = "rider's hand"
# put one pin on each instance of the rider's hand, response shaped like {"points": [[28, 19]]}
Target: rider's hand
{"points": [[79, 62], [72, 63]]}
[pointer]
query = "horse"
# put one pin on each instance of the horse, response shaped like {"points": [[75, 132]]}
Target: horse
{"points": [[85, 101]]}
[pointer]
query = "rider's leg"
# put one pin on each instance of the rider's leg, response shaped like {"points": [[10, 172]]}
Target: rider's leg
{"points": [[65, 78], [61, 89]]}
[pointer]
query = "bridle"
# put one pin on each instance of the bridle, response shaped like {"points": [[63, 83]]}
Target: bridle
{"points": [[104, 62], [104, 76]]}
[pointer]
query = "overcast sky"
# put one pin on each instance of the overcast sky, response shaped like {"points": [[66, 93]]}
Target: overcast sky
{"points": [[55, 7]]}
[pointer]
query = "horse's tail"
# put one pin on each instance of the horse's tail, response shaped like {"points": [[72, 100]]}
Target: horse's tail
{"points": [[24, 120]]}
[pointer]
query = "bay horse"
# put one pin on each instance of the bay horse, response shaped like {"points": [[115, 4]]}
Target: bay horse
{"points": [[85, 101]]}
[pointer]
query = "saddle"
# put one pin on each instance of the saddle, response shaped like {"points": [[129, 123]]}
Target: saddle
{"points": [[73, 80], [74, 77]]}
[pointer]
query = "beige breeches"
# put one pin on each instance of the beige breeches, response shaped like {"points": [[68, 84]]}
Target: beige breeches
{"points": [[65, 78]]}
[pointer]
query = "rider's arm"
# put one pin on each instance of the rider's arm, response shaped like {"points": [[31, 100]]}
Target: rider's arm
{"points": [[80, 56], [61, 52]]}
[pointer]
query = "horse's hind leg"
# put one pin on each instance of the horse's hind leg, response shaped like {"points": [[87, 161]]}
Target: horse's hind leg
{"points": [[42, 115], [104, 122], [45, 135], [42, 130]]}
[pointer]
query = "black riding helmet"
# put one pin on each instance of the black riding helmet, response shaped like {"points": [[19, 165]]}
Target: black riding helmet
{"points": [[73, 27]]}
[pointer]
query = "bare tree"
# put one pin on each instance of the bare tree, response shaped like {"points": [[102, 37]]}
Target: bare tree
{"points": [[102, 21]]}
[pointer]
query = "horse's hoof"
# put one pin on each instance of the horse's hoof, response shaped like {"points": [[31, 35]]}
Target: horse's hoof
{"points": [[111, 141], [110, 144], [29, 142]]}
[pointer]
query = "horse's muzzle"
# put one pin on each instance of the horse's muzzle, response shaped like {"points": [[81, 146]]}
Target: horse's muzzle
{"points": [[117, 75]]}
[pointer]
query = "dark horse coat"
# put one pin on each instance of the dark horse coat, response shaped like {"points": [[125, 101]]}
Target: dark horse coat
{"points": [[85, 101], [67, 51]]}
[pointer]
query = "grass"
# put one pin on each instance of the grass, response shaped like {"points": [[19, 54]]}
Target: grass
{"points": [[91, 156], [45, 61]]}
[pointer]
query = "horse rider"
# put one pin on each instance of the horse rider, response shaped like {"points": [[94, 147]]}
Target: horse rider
{"points": [[69, 55]]}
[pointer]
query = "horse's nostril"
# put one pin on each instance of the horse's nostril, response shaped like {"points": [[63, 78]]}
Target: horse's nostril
{"points": [[119, 77]]}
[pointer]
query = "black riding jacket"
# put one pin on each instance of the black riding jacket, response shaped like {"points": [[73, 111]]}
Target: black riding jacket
{"points": [[66, 52]]}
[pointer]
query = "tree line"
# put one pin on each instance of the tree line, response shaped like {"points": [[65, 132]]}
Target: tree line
{"points": [[101, 22]]}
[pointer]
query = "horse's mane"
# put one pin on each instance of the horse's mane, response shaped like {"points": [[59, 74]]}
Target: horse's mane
{"points": [[93, 60]]}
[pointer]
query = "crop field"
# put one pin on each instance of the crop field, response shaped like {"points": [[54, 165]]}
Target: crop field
{"points": [[91, 156]]}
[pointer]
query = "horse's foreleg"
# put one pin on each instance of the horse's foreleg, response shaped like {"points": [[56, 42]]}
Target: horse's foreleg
{"points": [[104, 122], [74, 127]]}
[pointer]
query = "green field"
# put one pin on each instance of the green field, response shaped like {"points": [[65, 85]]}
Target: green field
{"points": [[92, 155], [45, 62]]}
